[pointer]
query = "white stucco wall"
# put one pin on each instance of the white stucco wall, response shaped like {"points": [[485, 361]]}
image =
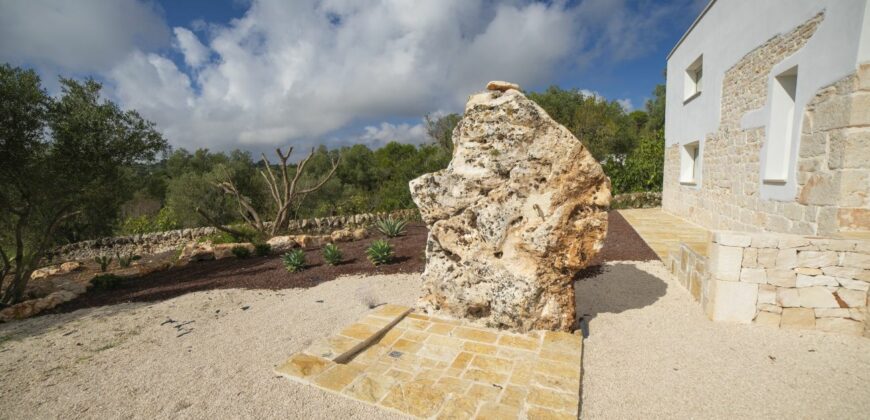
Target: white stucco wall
{"points": [[732, 28]]}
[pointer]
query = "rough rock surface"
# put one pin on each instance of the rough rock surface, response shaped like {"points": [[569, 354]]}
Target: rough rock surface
{"points": [[501, 86], [519, 210]]}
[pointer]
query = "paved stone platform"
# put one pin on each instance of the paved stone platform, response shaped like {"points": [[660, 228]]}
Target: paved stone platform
{"points": [[664, 232], [445, 368]]}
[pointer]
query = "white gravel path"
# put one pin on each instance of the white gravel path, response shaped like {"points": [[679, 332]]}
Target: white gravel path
{"points": [[120, 362], [651, 353]]}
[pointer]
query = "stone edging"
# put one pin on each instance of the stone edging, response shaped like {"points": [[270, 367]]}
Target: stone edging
{"points": [[158, 242]]}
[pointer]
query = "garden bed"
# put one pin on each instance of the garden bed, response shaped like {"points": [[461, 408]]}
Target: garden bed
{"points": [[622, 243]]}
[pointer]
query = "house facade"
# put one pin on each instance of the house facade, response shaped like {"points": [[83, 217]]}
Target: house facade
{"points": [[768, 118], [768, 147]]}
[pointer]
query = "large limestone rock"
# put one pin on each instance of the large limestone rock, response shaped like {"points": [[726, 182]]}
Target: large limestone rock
{"points": [[519, 210]]}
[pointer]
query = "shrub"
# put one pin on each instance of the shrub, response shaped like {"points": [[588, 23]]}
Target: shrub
{"points": [[392, 227], [164, 220], [136, 225], [103, 261], [331, 254], [124, 261], [219, 237], [106, 281], [262, 249], [294, 260], [380, 252], [241, 251], [248, 234]]}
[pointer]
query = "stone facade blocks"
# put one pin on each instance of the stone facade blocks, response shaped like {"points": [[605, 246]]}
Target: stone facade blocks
{"points": [[725, 262], [780, 280], [734, 301], [831, 169]]}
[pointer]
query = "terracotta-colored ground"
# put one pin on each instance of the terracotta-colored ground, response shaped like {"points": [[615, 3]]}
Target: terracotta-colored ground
{"points": [[259, 273], [622, 244]]}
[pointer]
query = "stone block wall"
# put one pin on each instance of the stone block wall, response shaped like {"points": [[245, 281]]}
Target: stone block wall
{"points": [[690, 269], [789, 281], [158, 242], [833, 166]]}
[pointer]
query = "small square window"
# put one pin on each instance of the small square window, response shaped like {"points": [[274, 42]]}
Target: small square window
{"points": [[694, 75], [689, 163]]}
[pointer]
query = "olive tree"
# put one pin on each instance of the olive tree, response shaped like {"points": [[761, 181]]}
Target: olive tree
{"points": [[59, 158]]}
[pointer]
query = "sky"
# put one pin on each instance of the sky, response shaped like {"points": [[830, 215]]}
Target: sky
{"points": [[258, 74]]}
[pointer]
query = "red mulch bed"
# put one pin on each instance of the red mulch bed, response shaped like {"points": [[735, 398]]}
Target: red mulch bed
{"points": [[622, 243]]}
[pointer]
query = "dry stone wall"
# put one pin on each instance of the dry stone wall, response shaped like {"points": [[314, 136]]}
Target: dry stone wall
{"points": [[833, 166], [155, 243], [786, 281]]}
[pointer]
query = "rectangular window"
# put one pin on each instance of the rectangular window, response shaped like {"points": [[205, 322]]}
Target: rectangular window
{"points": [[690, 164], [780, 127], [693, 77]]}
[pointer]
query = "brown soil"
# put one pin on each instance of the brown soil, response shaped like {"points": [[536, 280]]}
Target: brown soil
{"points": [[622, 243], [259, 273]]}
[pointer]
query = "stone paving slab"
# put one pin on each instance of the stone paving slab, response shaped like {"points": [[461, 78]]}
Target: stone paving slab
{"points": [[664, 232], [443, 368]]}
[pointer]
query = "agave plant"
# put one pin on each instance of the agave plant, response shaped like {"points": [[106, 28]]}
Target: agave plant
{"points": [[392, 227], [103, 261], [124, 260], [331, 254], [380, 252], [294, 260]]}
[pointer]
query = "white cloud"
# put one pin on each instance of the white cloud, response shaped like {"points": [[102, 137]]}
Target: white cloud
{"points": [[626, 104], [195, 54], [377, 136], [288, 72], [77, 36], [295, 72]]}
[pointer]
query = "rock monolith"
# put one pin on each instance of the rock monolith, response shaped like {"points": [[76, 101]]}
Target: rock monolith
{"points": [[520, 209]]}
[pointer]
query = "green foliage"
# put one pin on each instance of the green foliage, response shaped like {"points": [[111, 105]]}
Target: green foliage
{"points": [[380, 252], [106, 282], [103, 261], [262, 249], [603, 126], [241, 252], [164, 220], [294, 260], [391, 227], [642, 169], [67, 165], [124, 260], [136, 225], [248, 234], [629, 145], [331, 254], [441, 129]]}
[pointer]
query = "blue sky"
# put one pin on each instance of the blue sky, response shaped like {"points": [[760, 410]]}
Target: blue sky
{"points": [[255, 74]]}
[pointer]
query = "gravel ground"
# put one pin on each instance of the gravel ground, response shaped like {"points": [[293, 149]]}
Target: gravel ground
{"points": [[651, 353], [128, 361]]}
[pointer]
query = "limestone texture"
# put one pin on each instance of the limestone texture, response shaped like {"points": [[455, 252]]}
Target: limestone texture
{"points": [[521, 208]]}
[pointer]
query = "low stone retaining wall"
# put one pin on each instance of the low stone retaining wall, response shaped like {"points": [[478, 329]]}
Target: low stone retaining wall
{"points": [[780, 280], [155, 243], [637, 200]]}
